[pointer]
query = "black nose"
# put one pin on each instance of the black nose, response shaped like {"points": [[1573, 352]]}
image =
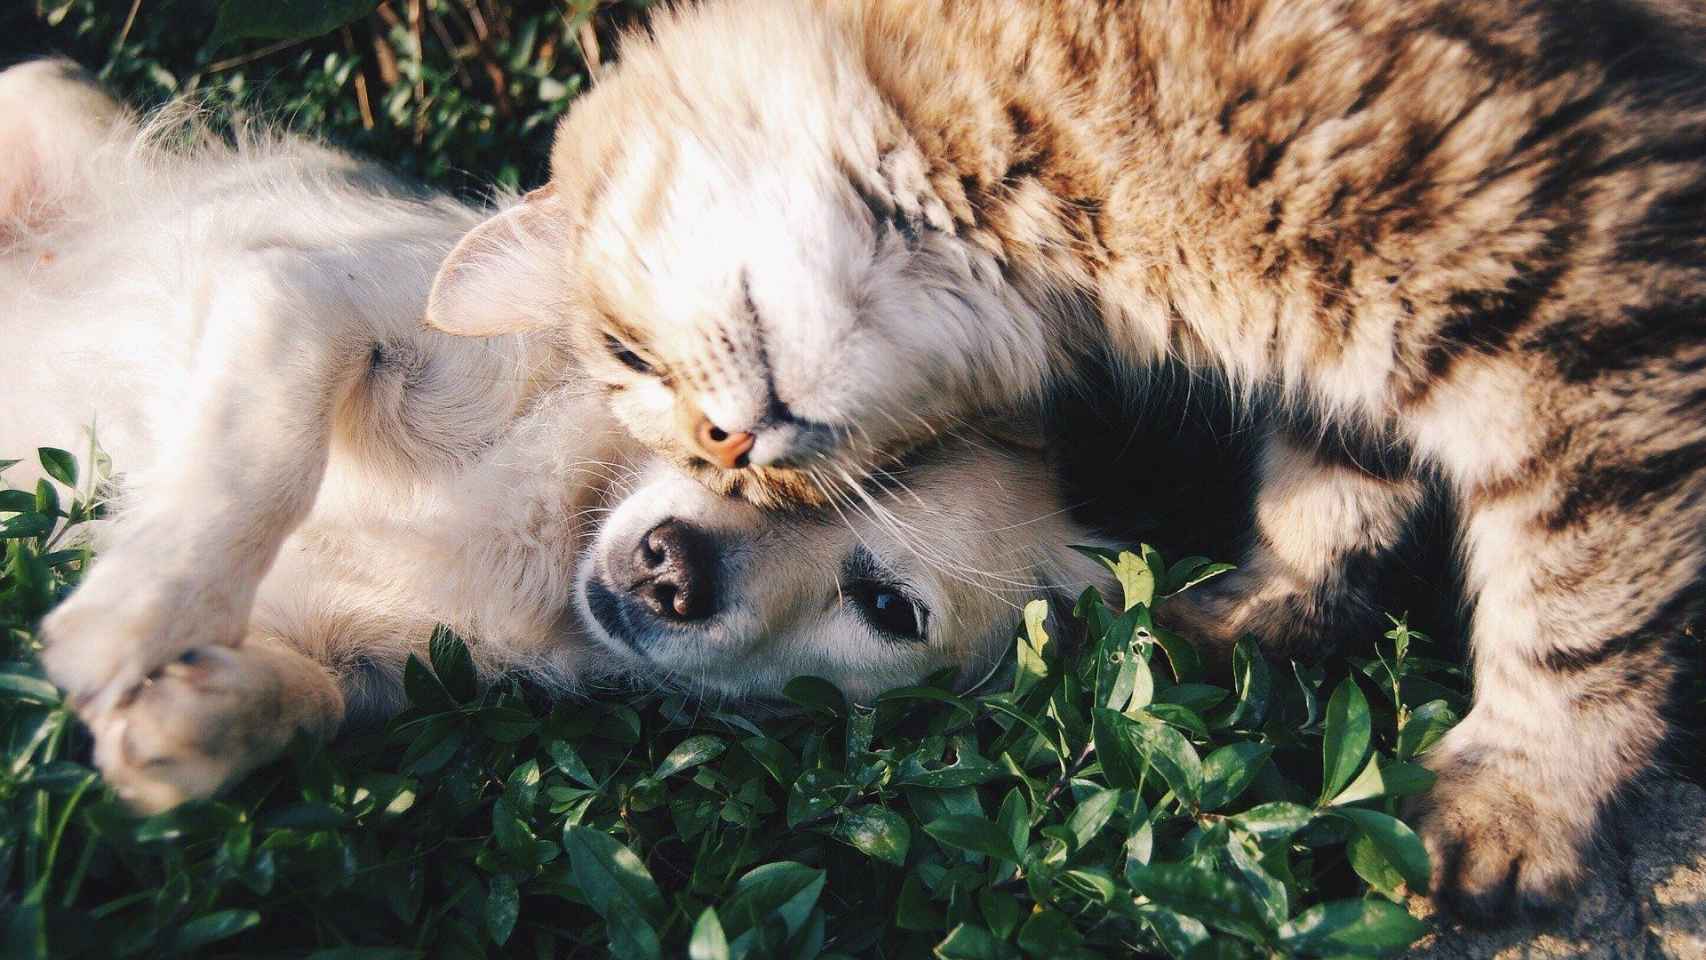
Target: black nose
{"points": [[674, 570]]}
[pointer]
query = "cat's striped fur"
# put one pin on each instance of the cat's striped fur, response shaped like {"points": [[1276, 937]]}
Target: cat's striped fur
{"points": [[1470, 235]]}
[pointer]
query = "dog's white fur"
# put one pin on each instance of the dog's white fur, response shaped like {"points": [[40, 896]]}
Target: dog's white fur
{"points": [[311, 479]]}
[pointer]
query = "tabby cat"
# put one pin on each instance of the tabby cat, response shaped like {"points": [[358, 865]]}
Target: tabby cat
{"points": [[1466, 240]]}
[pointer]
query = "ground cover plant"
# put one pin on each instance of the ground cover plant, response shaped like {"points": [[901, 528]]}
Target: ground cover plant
{"points": [[1120, 798]]}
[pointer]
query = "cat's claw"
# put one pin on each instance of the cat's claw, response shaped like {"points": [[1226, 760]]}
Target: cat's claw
{"points": [[1498, 846]]}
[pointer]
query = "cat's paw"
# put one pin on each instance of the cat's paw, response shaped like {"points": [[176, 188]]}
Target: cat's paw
{"points": [[1283, 617], [116, 630], [201, 722], [1500, 846]]}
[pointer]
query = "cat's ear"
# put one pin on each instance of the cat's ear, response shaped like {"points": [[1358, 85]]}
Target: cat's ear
{"points": [[504, 276]]}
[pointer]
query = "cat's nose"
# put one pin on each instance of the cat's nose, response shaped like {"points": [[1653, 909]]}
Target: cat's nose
{"points": [[676, 563], [725, 449]]}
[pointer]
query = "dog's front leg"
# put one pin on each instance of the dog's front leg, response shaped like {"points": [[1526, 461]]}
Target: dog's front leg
{"points": [[278, 344]]}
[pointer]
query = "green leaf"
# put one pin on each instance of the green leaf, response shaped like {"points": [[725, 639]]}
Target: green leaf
{"points": [[1351, 925], [452, 664], [1015, 818], [913, 910], [1346, 744], [213, 927], [971, 942], [968, 769], [1165, 749], [570, 762], [1091, 815], [875, 831], [1208, 896], [1033, 649], [1227, 772], [503, 908], [1254, 685], [1123, 764], [1048, 933], [975, 834], [284, 19], [708, 941], [1274, 821], [1424, 727], [1179, 934], [16, 501], [23, 687], [1181, 656], [26, 525], [1397, 842], [817, 695], [784, 889], [611, 876], [423, 688], [1191, 571], [689, 754], [1371, 865], [1136, 579], [46, 500], [59, 465]]}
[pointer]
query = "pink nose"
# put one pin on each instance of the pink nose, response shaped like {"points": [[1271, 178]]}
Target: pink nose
{"points": [[726, 450]]}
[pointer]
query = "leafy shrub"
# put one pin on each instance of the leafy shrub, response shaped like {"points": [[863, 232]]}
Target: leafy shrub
{"points": [[1124, 799]]}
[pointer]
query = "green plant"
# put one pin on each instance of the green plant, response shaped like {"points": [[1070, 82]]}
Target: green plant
{"points": [[462, 94], [1123, 798]]}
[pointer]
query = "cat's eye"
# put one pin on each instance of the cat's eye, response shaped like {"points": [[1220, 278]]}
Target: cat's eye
{"points": [[626, 356], [888, 609]]}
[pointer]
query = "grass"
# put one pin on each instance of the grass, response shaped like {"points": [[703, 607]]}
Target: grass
{"points": [[1120, 800]]}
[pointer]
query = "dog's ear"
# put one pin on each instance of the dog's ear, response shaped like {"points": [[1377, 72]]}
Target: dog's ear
{"points": [[53, 116], [505, 275]]}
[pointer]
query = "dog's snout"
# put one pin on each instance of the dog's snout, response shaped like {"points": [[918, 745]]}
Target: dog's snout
{"points": [[675, 565]]}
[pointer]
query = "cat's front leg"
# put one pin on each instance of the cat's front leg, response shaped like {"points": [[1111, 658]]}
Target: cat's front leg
{"points": [[1323, 518], [236, 469]]}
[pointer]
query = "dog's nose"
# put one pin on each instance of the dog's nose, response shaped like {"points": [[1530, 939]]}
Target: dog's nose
{"points": [[727, 450], [677, 566]]}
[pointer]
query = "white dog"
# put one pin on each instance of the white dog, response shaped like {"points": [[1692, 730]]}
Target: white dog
{"points": [[311, 479]]}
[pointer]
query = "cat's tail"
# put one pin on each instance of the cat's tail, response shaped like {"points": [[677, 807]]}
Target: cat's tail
{"points": [[54, 121]]}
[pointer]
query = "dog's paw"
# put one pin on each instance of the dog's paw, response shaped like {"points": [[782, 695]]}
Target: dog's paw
{"points": [[116, 630], [1499, 846], [199, 723]]}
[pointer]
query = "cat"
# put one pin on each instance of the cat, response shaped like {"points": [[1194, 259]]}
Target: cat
{"points": [[1463, 241], [312, 480]]}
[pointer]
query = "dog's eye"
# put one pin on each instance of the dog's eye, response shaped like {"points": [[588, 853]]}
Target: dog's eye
{"points": [[888, 610], [628, 358]]}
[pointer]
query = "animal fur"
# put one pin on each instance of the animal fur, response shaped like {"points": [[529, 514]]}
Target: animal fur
{"points": [[1466, 236], [311, 479]]}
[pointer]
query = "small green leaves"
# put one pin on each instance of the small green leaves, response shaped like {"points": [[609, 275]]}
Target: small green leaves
{"points": [[1346, 745], [689, 754], [1350, 926], [1109, 800], [708, 942], [59, 465], [284, 19], [876, 832], [974, 834]]}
